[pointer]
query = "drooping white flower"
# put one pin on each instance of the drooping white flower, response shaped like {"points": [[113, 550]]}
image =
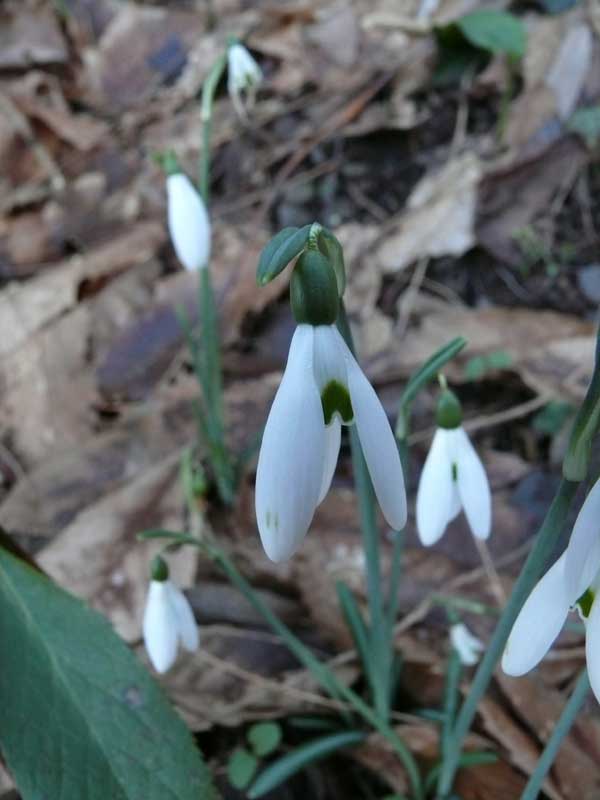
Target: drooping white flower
{"points": [[573, 581], [453, 478], [188, 222], [467, 646], [168, 622], [322, 388], [244, 76]]}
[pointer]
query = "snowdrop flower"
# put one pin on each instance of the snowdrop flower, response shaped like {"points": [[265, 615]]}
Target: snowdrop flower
{"points": [[168, 620], [244, 75], [466, 645], [323, 388], [573, 581], [453, 478], [189, 226]]}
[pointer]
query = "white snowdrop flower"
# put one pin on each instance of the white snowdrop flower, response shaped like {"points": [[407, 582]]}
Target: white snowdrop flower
{"points": [[467, 646], [168, 622], [322, 388], [244, 76], [453, 478], [188, 222], [573, 581]]}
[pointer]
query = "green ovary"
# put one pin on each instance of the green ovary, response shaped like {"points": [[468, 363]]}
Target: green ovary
{"points": [[335, 399]]}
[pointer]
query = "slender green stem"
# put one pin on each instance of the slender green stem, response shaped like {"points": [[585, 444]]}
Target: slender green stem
{"points": [[538, 557], [453, 675], [208, 96], [380, 639], [561, 729]]}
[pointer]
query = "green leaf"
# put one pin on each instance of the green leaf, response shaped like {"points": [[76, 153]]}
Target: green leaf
{"points": [[472, 759], [586, 122], [358, 629], [477, 367], [332, 249], [241, 768], [278, 253], [81, 717], [551, 419], [264, 737], [286, 766], [494, 31]]}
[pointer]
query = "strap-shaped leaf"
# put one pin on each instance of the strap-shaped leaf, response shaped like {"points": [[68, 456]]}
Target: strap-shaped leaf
{"points": [[286, 766], [81, 717], [278, 253]]}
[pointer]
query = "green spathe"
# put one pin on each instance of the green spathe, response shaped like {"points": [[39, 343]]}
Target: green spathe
{"points": [[313, 290]]}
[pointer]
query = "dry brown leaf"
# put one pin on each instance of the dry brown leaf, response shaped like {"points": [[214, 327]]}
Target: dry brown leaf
{"points": [[439, 216], [539, 707], [239, 675], [99, 558], [140, 49], [513, 194], [552, 352], [30, 34]]}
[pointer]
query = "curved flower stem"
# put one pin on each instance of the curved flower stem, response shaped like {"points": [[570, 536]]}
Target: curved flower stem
{"points": [[553, 744], [541, 551], [210, 348], [380, 632]]}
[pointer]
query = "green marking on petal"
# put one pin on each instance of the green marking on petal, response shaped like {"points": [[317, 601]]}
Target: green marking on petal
{"points": [[335, 398], [586, 602], [454, 471]]}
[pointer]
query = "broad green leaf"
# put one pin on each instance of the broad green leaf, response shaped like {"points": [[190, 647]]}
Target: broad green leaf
{"points": [[586, 122], [286, 766], [264, 737], [81, 717], [241, 768], [494, 31], [278, 253]]}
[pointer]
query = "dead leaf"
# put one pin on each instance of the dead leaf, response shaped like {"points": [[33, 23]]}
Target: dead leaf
{"points": [[439, 216], [99, 558], [29, 35]]}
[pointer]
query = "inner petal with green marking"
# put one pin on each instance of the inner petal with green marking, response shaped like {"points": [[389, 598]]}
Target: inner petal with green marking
{"points": [[585, 602], [335, 399]]}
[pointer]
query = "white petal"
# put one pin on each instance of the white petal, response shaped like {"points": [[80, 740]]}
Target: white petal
{"points": [[455, 503], [243, 71], [292, 454], [189, 226], [473, 486], [330, 357], [436, 495], [184, 616], [539, 622], [378, 445], [333, 438], [466, 645], [583, 552], [160, 627], [592, 648]]}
